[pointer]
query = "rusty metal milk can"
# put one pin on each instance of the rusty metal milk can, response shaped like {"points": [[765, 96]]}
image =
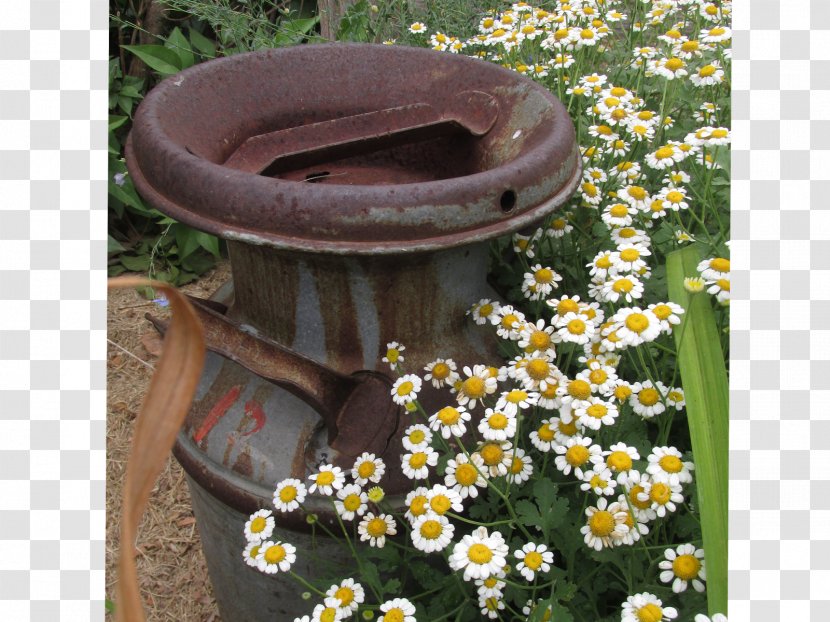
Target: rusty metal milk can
{"points": [[357, 187]]}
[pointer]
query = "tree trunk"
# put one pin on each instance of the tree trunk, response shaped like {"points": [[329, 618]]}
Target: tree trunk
{"points": [[331, 12]]}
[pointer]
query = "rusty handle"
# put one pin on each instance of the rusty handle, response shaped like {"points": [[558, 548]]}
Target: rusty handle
{"points": [[357, 409], [306, 145]]}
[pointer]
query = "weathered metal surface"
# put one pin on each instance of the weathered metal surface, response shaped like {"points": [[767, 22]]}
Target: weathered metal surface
{"points": [[357, 186], [445, 191], [326, 141]]}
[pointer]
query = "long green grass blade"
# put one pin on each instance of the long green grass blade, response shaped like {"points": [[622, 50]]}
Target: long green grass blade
{"points": [[706, 387]]}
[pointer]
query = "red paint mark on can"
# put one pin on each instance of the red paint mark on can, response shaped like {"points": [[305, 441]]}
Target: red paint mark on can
{"points": [[254, 410], [217, 412]]}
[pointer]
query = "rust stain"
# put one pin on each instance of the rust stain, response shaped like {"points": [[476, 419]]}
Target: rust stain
{"points": [[298, 462], [217, 412], [243, 464], [229, 448]]}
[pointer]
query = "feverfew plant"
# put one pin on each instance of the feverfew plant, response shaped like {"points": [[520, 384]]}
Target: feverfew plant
{"points": [[560, 483]]}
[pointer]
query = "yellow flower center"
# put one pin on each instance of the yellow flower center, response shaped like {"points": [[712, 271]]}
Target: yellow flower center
{"points": [[497, 421], [619, 461], [288, 493], [597, 482], [579, 389], [538, 369], [431, 529], [509, 320], [558, 224], [274, 554], [648, 396], [567, 305], [440, 504], [473, 387], [656, 205], [405, 388], [598, 376], [649, 613], [601, 523], [376, 527], [719, 264], [417, 460], [597, 411], [589, 189], [516, 466], [479, 554], [325, 478], [645, 115], [492, 454], [690, 46], [488, 22], [466, 474], [258, 524], [706, 71], [499, 32], [604, 262], [622, 286], [717, 32], [528, 29], [673, 64], [329, 614], [671, 464], [395, 614], [576, 327], [392, 354], [662, 311], [568, 429], [635, 501], [366, 469], [560, 34], [686, 567], [345, 594], [604, 130], [674, 196], [673, 34], [660, 493], [675, 396], [619, 114], [539, 340], [440, 371], [418, 505], [664, 152], [483, 311], [586, 33], [416, 437], [618, 210], [545, 433], [630, 254], [543, 275], [254, 552], [636, 322], [449, 415], [577, 455], [637, 192], [351, 503], [533, 560]]}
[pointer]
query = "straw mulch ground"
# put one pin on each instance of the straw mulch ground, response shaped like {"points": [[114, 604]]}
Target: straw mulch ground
{"points": [[171, 566]]}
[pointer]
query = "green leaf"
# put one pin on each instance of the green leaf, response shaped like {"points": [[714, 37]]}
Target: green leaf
{"points": [[114, 246], [116, 121], [209, 242], [706, 387], [157, 57], [140, 263], [202, 44], [198, 263], [126, 104], [177, 42], [109, 606]]}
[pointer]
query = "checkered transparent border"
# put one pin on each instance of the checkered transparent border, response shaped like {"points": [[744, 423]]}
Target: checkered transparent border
{"points": [[53, 197]]}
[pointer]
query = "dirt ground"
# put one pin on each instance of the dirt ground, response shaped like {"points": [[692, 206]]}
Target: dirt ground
{"points": [[171, 566]]}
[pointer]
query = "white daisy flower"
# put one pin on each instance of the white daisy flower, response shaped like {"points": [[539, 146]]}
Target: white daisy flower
{"points": [[708, 75], [250, 553], [627, 288], [397, 610], [274, 557], [405, 389], [620, 460], [605, 524], [636, 527], [668, 314], [544, 437], [497, 457], [647, 399], [676, 398], [376, 528], [665, 464], [328, 479], [442, 372], [574, 454], [638, 493], [629, 235], [476, 386], [416, 437], [416, 503], [533, 558], [368, 468], [450, 421], [350, 595], [718, 617], [259, 526], [596, 412], [600, 265], [716, 34], [289, 494], [497, 425], [615, 215], [646, 606], [442, 499], [682, 566], [490, 607], [415, 465], [602, 378], [431, 532], [351, 500], [465, 475], [558, 227], [482, 312], [538, 338], [393, 354], [635, 326], [575, 328], [479, 554], [664, 496], [510, 402], [600, 480], [492, 586], [714, 268], [521, 467], [417, 28]]}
